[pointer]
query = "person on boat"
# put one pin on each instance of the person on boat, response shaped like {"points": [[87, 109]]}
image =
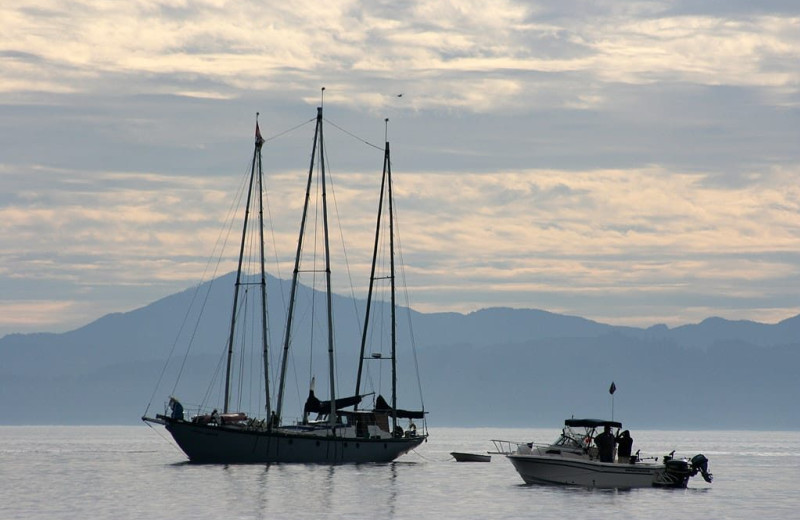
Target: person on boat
{"points": [[177, 409], [624, 447], [605, 445], [215, 418]]}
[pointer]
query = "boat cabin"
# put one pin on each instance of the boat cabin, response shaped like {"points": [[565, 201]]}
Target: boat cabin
{"points": [[578, 434]]}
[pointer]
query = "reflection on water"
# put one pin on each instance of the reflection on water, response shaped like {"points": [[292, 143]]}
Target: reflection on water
{"points": [[392, 488], [262, 492]]}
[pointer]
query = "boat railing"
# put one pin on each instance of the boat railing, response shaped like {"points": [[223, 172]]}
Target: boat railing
{"points": [[503, 447], [204, 414]]}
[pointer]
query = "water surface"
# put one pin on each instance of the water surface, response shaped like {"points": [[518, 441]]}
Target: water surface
{"points": [[137, 472]]}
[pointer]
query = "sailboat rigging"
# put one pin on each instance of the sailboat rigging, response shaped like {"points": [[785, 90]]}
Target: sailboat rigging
{"points": [[338, 434]]}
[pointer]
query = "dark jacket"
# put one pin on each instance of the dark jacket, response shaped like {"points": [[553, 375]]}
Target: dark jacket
{"points": [[605, 446]]}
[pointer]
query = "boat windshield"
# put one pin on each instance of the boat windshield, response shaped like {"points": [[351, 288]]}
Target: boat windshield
{"points": [[569, 439]]}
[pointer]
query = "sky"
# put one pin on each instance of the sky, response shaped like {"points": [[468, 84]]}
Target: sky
{"points": [[634, 163]]}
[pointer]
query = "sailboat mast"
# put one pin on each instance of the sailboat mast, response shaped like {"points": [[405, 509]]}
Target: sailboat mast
{"points": [[331, 367], [386, 192], [264, 318], [293, 293], [371, 282], [255, 162], [388, 167]]}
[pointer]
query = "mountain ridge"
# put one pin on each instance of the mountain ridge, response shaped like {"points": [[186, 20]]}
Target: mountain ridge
{"points": [[471, 363]]}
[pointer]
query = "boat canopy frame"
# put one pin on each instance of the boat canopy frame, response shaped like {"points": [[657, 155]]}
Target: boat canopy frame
{"points": [[592, 423]]}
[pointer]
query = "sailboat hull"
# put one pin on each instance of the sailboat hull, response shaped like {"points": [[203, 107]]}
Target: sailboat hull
{"points": [[232, 445]]}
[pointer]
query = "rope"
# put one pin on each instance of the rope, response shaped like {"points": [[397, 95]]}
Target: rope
{"points": [[223, 238], [169, 441], [354, 136], [288, 131], [418, 454], [341, 238]]}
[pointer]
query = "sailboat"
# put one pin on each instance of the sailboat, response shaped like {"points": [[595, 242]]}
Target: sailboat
{"points": [[331, 431]]}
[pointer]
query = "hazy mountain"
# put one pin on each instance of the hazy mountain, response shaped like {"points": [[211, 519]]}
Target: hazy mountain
{"points": [[505, 367]]}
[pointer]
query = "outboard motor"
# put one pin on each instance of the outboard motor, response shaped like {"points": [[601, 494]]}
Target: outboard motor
{"points": [[700, 465], [677, 472]]}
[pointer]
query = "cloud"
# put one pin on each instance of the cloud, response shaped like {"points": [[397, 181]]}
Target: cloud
{"points": [[428, 45], [612, 159], [603, 232], [39, 315], [515, 233]]}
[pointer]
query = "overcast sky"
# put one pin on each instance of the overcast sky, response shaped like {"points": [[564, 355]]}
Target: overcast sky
{"points": [[630, 162]]}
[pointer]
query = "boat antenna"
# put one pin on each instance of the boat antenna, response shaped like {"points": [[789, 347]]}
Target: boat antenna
{"points": [[322, 97], [611, 390]]}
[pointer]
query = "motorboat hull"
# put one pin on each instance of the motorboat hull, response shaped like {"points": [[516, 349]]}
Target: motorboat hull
{"points": [[556, 470], [470, 457], [207, 443]]}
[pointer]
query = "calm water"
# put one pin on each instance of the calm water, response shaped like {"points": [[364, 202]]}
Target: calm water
{"points": [[133, 472]]}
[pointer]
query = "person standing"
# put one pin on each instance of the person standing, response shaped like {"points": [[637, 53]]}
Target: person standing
{"points": [[605, 445], [177, 409], [624, 447]]}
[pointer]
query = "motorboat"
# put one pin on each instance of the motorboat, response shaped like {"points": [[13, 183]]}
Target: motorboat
{"points": [[470, 457], [573, 459]]}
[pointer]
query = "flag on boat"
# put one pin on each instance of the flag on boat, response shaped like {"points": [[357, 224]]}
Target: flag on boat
{"points": [[259, 139], [613, 388]]}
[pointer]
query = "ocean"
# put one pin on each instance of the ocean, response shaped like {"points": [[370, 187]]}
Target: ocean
{"points": [[132, 472]]}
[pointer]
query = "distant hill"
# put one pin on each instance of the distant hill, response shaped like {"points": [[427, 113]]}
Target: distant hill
{"points": [[499, 366]]}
